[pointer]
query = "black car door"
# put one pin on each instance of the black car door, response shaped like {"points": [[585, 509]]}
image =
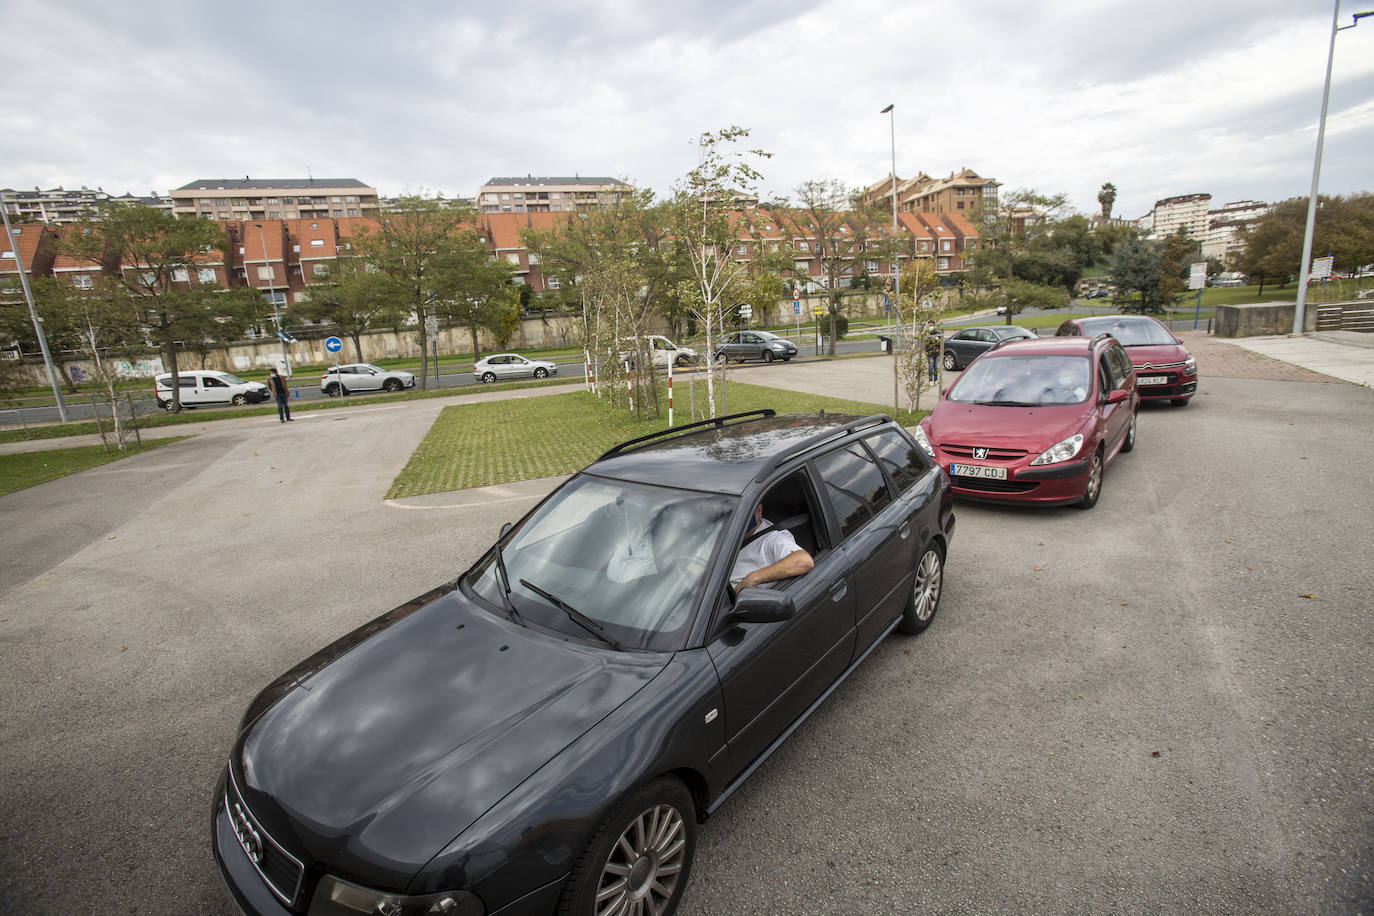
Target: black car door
{"points": [[770, 673], [877, 537]]}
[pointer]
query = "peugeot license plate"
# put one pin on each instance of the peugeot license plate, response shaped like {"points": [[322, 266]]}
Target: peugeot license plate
{"points": [[1152, 380], [978, 470]]}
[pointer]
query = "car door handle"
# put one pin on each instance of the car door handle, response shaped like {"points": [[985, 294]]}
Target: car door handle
{"points": [[904, 530], [839, 590]]}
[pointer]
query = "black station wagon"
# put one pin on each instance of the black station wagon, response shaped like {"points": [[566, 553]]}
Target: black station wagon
{"points": [[544, 733]]}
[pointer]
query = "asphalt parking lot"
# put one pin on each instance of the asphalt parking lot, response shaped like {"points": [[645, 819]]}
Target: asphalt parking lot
{"points": [[1160, 705]]}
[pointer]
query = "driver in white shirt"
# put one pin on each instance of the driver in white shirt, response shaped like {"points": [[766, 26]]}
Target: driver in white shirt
{"points": [[769, 556]]}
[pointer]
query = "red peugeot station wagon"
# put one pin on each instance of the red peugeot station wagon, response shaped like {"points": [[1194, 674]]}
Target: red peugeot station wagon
{"points": [[1036, 421], [1164, 369]]}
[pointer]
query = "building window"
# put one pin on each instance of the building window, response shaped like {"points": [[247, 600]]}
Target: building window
{"points": [[958, 205], [272, 201], [946, 245], [265, 273], [181, 275], [742, 249], [350, 200], [320, 270], [317, 243], [534, 259], [274, 214], [551, 282], [872, 266], [206, 275], [82, 281], [513, 259], [944, 263], [335, 200], [555, 196], [289, 201], [352, 212], [803, 246], [314, 225]]}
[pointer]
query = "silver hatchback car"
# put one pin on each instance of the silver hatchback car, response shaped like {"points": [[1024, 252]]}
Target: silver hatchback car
{"points": [[500, 366]]}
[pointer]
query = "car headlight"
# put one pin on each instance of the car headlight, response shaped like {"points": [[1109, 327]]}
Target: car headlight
{"points": [[924, 442], [1190, 367], [335, 897], [1060, 451]]}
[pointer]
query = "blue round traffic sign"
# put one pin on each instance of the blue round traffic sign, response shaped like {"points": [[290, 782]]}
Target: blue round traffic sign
{"points": [[333, 344]]}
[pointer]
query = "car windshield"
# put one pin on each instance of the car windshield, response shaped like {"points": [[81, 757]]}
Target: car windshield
{"points": [[1029, 380], [231, 379], [768, 335], [1006, 333], [629, 556], [1132, 332]]}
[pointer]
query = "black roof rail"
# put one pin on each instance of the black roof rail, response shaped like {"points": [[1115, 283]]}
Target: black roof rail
{"points": [[829, 435], [1092, 343], [674, 430]]}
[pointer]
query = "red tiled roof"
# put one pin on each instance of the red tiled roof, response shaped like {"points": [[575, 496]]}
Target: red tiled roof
{"points": [[66, 262], [503, 229], [960, 225], [27, 238]]}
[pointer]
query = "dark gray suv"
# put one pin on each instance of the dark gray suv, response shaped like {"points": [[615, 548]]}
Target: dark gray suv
{"points": [[764, 345]]}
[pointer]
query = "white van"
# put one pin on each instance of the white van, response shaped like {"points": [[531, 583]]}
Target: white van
{"points": [[662, 351], [206, 386]]}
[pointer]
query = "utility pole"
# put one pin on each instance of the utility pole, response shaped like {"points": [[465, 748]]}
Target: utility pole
{"points": [[33, 314]]}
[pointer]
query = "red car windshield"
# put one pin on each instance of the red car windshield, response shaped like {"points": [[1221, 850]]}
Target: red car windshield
{"points": [[1031, 380], [1132, 332]]}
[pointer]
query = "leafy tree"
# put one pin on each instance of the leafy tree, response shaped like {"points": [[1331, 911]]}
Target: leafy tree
{"points": [[485, 296], [1135, 271], [1344, 229], [836, 234], [417, 251], [353, 299], [1107, 198], [700, 216], [144, 250], [1017, 250], [1177, 253], [55, 302]]}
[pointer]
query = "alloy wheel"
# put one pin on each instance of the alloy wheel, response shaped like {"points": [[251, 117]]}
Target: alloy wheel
{"points": [[642, 873]]}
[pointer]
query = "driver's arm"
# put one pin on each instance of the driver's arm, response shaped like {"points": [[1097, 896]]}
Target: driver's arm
{"points": [[796, 563]]}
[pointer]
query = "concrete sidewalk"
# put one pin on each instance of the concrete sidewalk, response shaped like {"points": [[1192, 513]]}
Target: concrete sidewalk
{"points": [[1346, 355]]}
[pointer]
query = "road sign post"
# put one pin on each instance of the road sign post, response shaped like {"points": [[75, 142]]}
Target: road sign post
{"points": [[334, 345], [1197, 279]]}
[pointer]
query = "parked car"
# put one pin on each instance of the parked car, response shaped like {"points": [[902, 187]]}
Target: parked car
{"points": [[1165, 370], [200, 387], [364, 377], [662, 351], [546, 731], [1036, 421], [511, 365], [962, 347], [1097, 294], [764, 345]]}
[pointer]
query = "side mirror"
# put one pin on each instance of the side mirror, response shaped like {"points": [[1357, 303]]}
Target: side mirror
{"points": [[1179, 339], [762, 605], [505, 529], [1116, 396]]}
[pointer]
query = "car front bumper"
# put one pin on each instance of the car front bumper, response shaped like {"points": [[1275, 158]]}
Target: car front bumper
{"points": [[1051, 485]]}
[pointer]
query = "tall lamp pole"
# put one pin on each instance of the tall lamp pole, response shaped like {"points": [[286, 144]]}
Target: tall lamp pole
{"points": [[1305, 266], [33, 314], [272, 295], [896, 263]]}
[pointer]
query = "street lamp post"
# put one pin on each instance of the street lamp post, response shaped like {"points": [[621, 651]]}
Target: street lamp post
{"points": [[1305, 266], [272, 295], [896, 263], [33, 314]]}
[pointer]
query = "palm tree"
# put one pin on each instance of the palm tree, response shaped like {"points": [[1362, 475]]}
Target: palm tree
{"points": [[1107, 197]]}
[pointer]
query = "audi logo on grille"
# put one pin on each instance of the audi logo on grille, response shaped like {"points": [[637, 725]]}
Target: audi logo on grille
{"points": [[979, 452], [248, 837]]}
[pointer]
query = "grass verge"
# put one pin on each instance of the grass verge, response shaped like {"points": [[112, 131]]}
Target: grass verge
{"points": [[476, 445], [28, 469]]}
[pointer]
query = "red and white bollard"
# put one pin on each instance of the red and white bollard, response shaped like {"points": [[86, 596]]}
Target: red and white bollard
{"points": [[629, 386], [670, 394]]}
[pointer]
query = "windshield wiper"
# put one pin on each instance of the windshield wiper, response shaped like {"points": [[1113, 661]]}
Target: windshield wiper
{"points": [[576, 616], [505, 585], [1005, 404]]}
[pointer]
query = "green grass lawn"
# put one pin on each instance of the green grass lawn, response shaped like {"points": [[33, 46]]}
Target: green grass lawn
{"points": [[27, 469], [475, 445]]}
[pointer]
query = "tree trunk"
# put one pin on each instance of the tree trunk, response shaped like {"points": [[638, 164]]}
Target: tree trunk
{"points": [[472, 332], [357, 344]]}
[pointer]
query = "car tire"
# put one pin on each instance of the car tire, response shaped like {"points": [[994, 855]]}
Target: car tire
{"points": [[683, 361], [1094, 487], [332, 389], [168, 406], [949, 362], [767, 356], [541, 372], [1129, 442], [640, 858], [392, 384], [488, 377], [239, 400], [1180, 402], [924, 600]]}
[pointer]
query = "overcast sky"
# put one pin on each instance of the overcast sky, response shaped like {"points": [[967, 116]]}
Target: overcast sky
{"points": [[1163, 98]]}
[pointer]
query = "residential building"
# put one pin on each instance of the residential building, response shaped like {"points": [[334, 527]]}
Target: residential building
{"points": [[245, 199], [533, 194], [962, 191], [1187, 210], [59, 206], [1224, 224], [34, 251]]}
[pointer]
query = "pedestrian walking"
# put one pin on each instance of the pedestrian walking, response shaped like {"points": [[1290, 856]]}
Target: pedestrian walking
{"points": [[277, 385]]}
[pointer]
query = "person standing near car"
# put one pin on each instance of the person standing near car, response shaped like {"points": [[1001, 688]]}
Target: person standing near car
{"points": [[932, 351], [277, 385]]}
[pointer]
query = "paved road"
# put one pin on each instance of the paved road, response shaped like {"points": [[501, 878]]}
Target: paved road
{"points": [[1161, 705]]}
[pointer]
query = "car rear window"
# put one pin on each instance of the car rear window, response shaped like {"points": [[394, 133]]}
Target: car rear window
{"points": [[1132, 332], [905, 461]]}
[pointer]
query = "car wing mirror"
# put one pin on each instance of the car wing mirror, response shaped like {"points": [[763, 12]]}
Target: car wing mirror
{"points": [[1116, 396], [762, 605]]}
